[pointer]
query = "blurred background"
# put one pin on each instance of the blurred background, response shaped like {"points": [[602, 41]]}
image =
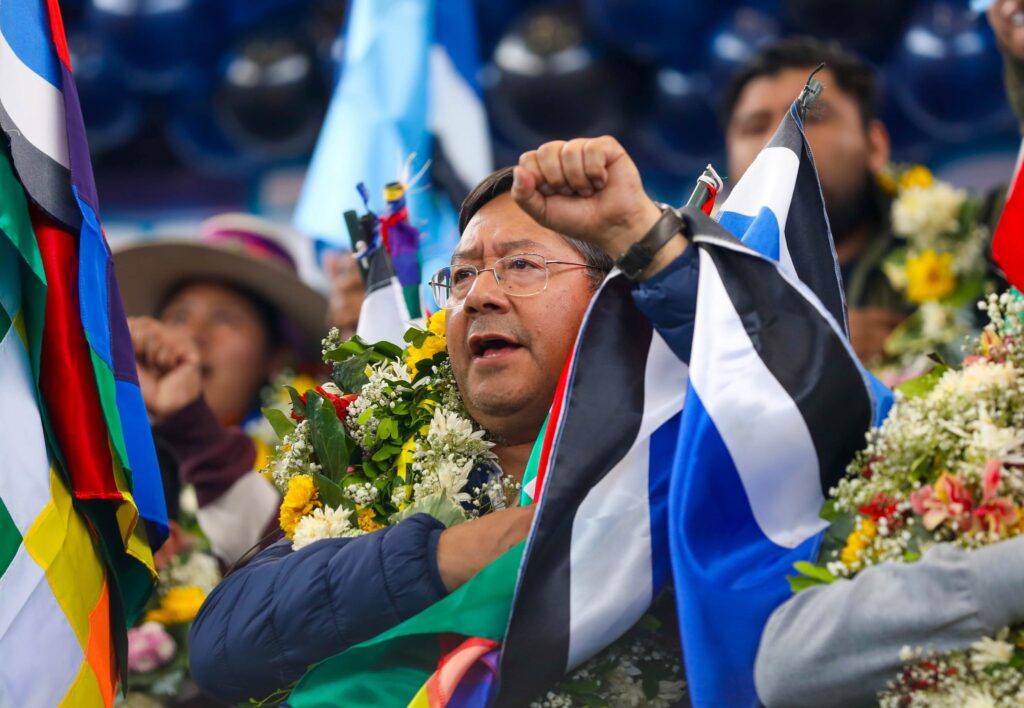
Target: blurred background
{"points": [[195, 107]]}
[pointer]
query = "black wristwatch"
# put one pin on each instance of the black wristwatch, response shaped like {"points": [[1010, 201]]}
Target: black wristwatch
{"points": [[635, 261]]}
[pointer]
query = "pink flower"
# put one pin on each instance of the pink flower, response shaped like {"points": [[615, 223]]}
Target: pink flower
{"points": [[149, 647], [949, 500], [995, 513], [990, 478]]}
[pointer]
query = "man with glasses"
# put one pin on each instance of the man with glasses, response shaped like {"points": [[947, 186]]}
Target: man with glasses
{"points": [[536, 242]]}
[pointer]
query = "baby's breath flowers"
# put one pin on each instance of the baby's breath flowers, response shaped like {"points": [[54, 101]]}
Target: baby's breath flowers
{"points": [[946, 466], [387, 437]]}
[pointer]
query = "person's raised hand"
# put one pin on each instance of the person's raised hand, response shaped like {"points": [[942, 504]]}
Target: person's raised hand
{"points": [[168, 364], [346, 296], [588, 189], [1007, 20], [464, 549]]}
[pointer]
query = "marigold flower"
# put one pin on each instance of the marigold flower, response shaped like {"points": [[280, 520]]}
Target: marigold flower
{"points": [[917, 176], [180, 604], [367, 523], [858, 540], [930, 276], [436, 323], [301, 500]]}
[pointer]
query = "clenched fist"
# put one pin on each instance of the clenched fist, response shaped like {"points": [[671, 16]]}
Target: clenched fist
{"points": [[587, 189], [170, 375]]}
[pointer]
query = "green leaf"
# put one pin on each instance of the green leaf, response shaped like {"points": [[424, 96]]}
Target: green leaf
{"points": [[416, 336], [801, 582], [298, 407], [922, 385], [350, 374], [388, 349], [281, 423], [329, 437], [439, 506], [332, 495], [814, 571], [353, 346]]}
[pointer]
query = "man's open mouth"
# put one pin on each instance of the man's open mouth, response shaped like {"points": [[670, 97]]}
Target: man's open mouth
{"points": [[491, 346]]}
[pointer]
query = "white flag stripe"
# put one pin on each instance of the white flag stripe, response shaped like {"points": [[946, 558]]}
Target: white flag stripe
{"points": [[35, 105], [458, 119], [38, 636], [768, 182], [776, 459], [380, 318], [24, 465], [610, 558]]}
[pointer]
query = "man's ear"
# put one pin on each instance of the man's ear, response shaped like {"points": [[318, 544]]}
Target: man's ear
{"points": [[879, 146]]}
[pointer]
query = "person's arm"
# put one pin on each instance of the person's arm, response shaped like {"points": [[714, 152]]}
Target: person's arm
{"points": [[261, 628], [839, 644], [669, 300], [237, 505]]}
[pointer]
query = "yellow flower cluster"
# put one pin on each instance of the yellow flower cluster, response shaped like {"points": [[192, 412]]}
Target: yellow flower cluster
{"points": [[930, 276], [917, 176], [366, 521], [857, 541], [436, 343], [178, 605], [300, 501]]}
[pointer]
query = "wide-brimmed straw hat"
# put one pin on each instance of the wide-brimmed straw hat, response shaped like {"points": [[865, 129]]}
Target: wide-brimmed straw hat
{"points": [[237, 250]]}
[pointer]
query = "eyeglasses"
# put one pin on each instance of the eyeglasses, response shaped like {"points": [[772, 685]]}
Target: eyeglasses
{"points": [[520, 275]]}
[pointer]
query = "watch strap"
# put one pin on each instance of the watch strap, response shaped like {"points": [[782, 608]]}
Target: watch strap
{"points": [[635, 261]]}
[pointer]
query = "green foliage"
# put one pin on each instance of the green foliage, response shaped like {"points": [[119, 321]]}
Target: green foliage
{"points": [[279, 421], [440, 507], [809, 576], [923, 385], [330, 440]]}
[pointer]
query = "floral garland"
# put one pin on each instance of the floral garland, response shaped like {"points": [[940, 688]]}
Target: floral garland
{"points": [[947, 466], [941, 268], [385, 438]]}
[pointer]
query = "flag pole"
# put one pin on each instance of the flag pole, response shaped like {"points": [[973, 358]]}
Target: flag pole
{"points": [[810, 92], [709, 184]]}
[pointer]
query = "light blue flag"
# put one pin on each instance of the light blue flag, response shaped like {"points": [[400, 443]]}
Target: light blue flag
{"points": [[407, 86]]}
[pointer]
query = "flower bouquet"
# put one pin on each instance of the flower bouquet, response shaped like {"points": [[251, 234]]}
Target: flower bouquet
{"points": [[947, 466], [941, 268], [385, 438]]}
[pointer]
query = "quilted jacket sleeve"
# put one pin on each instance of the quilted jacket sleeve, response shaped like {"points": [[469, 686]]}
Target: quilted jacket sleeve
{"points": [[268, 621]]}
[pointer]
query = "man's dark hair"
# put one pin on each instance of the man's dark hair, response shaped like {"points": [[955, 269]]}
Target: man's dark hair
{"points": [[500, 182], [853, 75]]}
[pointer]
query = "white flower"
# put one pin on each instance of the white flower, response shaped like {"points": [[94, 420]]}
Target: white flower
{"points": [[936, 320], [188, 502], [993, 442], [624, 688], [332, 388], [199, 570], [978, 699], [977, 377], [925, 214], [989, 652], [323, 523]]}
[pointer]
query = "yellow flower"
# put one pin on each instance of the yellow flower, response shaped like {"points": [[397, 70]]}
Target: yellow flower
{"points": [[857, 541], [435, 343], [887, 182], [263, 453], [930, 276], [179, 605], [300, 501], [916, 176], [366, 521], [405, 456], [436, 323]]}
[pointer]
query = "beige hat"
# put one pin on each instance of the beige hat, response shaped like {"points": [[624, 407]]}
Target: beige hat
{"points": [[235, 249]]}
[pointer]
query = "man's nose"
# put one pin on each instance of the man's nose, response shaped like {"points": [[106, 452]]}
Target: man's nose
{"points": [[486, 295]]}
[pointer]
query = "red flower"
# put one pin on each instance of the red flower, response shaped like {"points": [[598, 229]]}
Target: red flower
{"points": [[341, 403], [881, 507]]}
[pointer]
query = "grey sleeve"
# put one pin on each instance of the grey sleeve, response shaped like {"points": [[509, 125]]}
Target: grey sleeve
{"points": [[839, 644]]}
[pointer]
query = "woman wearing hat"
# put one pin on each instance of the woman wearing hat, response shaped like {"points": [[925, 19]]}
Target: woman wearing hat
{"points": [[213, 321]]}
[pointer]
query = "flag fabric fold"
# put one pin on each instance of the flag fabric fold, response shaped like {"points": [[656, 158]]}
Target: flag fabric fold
{"points": [[76, 564], [777, 406], [1008, 239]]}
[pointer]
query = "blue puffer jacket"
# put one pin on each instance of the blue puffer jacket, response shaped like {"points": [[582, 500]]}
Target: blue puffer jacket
{"points": [[267, 622]]}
